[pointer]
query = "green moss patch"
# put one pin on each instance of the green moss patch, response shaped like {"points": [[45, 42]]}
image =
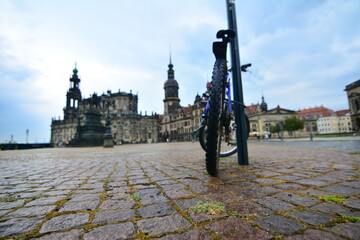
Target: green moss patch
{"points": [[332, 198], [208, 207]]}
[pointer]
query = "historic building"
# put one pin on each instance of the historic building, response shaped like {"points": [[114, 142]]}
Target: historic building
{"points": [[335, 122], [84, 119], [310, 116], [261, 119], [353, 94], [178, 123]]}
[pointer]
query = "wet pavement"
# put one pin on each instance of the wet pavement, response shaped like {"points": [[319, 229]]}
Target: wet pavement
{"points": [[153, 191]]}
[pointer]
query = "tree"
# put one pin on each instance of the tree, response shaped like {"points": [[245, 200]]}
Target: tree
{"points": [[293, 124], [275, 128]]}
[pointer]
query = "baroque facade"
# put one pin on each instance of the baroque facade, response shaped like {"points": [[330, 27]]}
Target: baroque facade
{"points": [[260, 118], [81, 114], [353, 94]]}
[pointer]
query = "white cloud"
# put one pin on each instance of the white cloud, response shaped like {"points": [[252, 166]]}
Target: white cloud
{"points": [[303, 53]]}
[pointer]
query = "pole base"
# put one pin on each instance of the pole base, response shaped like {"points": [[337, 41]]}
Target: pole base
{"points": [[108, 142]]}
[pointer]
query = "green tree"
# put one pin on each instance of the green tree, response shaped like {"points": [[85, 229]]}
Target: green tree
{"points": [[293, 124], [275, 128]]}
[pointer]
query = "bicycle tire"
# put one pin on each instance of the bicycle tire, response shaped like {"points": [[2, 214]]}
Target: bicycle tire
{"points": [[213, 122]]}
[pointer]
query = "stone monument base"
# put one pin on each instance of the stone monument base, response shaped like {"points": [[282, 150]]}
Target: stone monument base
{"points": [[108, 141]]}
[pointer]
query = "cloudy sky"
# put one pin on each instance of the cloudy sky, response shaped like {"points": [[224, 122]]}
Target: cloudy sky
{"points": [[303, 52]]}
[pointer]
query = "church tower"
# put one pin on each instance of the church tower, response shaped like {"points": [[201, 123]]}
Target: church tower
{"points": [[263, 105], [171, 87], [73, 96]]}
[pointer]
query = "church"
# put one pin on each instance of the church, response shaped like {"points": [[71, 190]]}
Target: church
{"points": [[85, 118]]}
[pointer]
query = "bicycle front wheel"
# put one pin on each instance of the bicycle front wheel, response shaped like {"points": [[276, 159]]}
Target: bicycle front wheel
{"points": [[214, 123], [228, 148]]}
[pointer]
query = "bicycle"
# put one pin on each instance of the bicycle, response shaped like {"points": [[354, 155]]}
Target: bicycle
{"points": [[217, 130]]}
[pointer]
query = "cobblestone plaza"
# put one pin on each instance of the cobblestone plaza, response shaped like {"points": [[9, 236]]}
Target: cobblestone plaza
{"points": [[151, 191]]}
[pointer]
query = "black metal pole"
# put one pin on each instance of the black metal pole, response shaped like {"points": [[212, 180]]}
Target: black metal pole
{"points": [[241, 136]]}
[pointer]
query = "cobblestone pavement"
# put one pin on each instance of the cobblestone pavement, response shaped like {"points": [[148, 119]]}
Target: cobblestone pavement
{"points": [[153, 191]]}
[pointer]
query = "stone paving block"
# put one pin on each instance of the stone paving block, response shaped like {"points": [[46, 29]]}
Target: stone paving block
{"points": [[111, 216], [275, 204], [113, 231], [314, 192], [59, 192], [88, 191], [267, 181], [44, 201], [204, 189], [235, 228], [10, 205], [149, 186], [278, 225], [92, 186], [117, 184], [139, 181], [335, 209], [223, 197], [255, 192], [200, 217], [289, 186], [191, 182], [188, 203], [115, 196], [3, 212], [313, 234], [313, 182], [31, 211], [297, 199], [293, 178], [70, 235], [341, 190], [248, 208], [267, 173], [150, 191], [63, 222], [353, 184], [311, 217], [119, 190], [152, 198], [160, 225], [114, 204], [79, 206], [178, 193], [353, 203], [156, 210], [350, 230], [34, 194], [175, 186], [84, 197], [18, 226], [195, 234]]}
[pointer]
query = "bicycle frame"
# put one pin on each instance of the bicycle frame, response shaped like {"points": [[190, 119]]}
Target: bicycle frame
{"points": [[206, 110]]}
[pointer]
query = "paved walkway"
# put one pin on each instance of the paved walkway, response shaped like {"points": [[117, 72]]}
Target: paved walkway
{"points": [[153, 191], [340, 143]]}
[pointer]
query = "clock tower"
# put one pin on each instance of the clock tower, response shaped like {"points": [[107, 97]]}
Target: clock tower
{"points": [[171, 87]]}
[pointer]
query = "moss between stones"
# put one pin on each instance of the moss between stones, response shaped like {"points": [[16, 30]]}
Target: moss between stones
{"points": [[209, 207]]}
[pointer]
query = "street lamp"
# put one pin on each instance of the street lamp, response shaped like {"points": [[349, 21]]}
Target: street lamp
{"points": [[108, 138]]}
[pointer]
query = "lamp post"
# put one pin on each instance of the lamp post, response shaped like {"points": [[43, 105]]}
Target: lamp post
{"points": [[108, 138], [241, 136]]}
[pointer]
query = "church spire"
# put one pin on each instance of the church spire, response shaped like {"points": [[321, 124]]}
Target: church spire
{"points": [[171, 74], [263, 105], [170, 64]]}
